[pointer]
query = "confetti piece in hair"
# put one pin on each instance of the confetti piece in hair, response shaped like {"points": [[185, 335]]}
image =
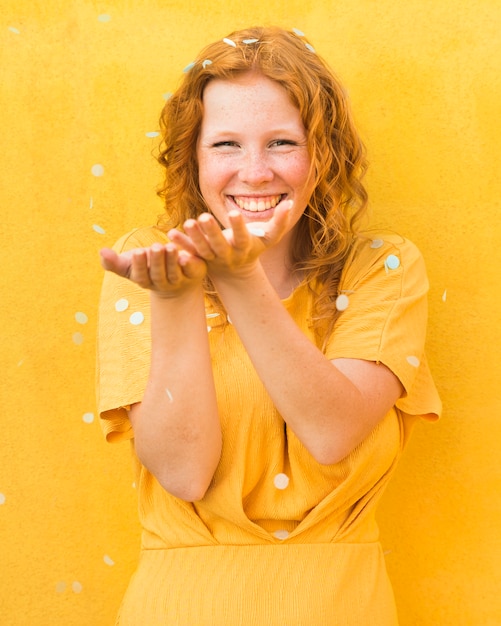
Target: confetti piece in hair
{"points": [[392, 262], [167, 95], [444, 296], [413, 360], [377, 243], [97, 170], [98, 229], [206, 63], [211, 315], [256, 231], [310, 47], [14, 30], [169, 395], [248, 41], [342, 302], [153, 133], [189, 67], [230, 42], [298, 32]]}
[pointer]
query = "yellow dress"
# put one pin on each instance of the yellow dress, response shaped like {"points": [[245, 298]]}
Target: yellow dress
{"points": [[278, 539]]}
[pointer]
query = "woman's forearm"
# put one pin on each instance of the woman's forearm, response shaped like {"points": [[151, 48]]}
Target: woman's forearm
{"points": [[328, 412], [176, 426]]}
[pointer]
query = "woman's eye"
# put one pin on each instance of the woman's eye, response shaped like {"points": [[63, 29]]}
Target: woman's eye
{"points": [[225, 144], [283, 142]]}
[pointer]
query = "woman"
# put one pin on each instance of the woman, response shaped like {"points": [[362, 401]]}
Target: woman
{"points": [[264, 356]]}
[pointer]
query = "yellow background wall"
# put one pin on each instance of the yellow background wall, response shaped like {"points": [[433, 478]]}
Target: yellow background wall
{"points": [[82, 84]]}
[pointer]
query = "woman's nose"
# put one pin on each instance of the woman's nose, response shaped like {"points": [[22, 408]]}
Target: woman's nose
{"points": [[255, 168]]}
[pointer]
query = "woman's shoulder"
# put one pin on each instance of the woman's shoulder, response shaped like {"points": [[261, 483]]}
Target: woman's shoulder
{"points": [[141, 237]]}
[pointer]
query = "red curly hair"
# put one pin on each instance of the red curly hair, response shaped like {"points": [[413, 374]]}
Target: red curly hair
{"points": [[325, 232]]}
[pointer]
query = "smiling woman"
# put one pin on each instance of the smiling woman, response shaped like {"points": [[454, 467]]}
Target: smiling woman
{"points": [[279, 363]]}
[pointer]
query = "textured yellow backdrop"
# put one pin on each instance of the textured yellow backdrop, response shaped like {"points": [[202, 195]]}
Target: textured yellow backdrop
{"points": [[82, 85]]}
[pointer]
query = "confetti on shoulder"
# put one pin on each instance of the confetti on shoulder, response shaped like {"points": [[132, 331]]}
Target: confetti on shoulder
{"points": [[230, 42]]}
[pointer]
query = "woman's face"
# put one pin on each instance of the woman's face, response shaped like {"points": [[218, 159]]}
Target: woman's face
{"points": [[252, 150]]}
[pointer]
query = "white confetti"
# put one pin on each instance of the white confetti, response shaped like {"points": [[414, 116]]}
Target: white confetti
{"points": [[256, 231], [136, 318], [281, 481], [104, 17], [167, 95], [98, 229], [206, 63], [230, 42], [153, 133], [392, 262], [310, 47], [209, 328], [189, 67], [169, 395], [97, 170], [88, 418], [2, 498], [298, 32], [78, 338], [108, 560], [377, 243], [14, 30], [413, 360], [248, 41], [81, 318], [342, 302], [121, 305], [91, 203], [211, 315], [60, 587], [281, 534], [76, 587], [444, 296]]}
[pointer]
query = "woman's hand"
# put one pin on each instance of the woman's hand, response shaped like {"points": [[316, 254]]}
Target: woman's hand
{"points": [[235, 250], [163, 269]]}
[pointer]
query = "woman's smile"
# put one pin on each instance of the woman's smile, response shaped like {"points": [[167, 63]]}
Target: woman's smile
{"points": [[252, 150]]}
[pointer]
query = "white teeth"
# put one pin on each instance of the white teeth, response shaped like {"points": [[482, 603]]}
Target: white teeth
{"points": [[256, 205]]}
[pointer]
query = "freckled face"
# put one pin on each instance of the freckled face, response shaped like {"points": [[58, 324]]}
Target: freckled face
{"points": [[252, 150]]}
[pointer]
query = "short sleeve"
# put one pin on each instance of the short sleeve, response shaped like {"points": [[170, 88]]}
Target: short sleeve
{"points": [[123, 342], [385, 319]]}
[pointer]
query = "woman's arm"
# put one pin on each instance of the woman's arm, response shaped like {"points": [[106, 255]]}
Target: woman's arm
{"points": [[176, 426], [330, 406]]}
